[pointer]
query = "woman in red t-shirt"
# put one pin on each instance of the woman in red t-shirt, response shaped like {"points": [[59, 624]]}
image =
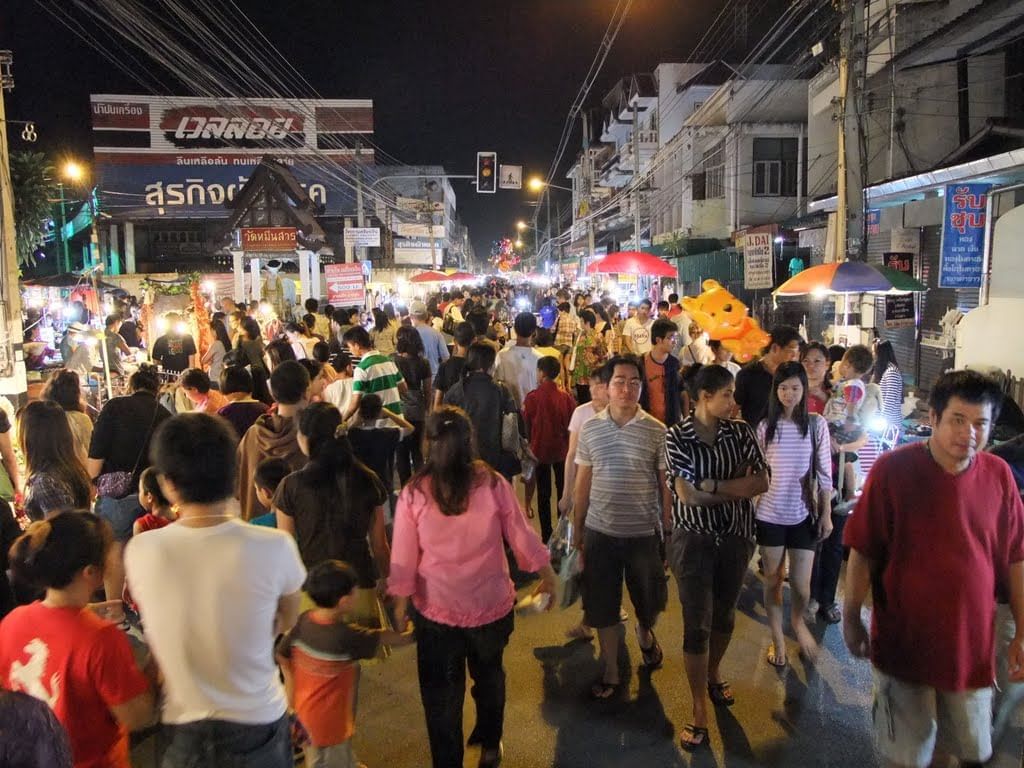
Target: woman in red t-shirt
{"points": [[60, 652], [819, 388]]}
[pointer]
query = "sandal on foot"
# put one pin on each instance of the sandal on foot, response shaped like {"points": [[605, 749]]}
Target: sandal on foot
{"points": [[721, 694], [653, 656], [602, 691], [773, 658], [693, 737]]}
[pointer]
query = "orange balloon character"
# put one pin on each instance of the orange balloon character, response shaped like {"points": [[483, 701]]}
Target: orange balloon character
{"points": [[725, 318]]}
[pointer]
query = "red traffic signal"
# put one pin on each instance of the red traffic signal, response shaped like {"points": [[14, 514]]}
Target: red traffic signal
{"points": [[487, 172]]}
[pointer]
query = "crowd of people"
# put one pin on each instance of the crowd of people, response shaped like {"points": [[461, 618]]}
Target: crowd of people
{"points": [[363, 475]]}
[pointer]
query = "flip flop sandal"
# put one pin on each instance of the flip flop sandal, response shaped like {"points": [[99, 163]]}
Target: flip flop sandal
{"points": [[693, 738], [653, 656], [774, 660], [721, 694], [602, 691]]}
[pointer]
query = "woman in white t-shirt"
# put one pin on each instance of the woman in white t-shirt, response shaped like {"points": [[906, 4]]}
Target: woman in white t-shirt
{"points": [[796, 445]]}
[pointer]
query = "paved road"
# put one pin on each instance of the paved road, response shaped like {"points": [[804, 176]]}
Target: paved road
{"points": [[796, 717]]}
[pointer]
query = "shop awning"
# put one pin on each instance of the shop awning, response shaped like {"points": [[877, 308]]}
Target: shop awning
{"points": [[987, 27], [1004, 167]]}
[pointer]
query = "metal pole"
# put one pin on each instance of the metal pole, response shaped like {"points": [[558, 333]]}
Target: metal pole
{"points": [[360, 220], [66, 263], [841, 208], [800, 172], [636, 177]]}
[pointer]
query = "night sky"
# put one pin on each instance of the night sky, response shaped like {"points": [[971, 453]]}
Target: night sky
{"points": [[447, 77]]}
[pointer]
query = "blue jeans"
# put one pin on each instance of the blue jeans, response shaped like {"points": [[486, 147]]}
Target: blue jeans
{"points": [[120, 513], [221, 744]]}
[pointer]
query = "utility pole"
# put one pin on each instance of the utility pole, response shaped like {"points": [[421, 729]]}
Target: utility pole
{"points": [[636, 175], [13, 380], [844, 72], [588, 177], [66, 263], [360, 220]]}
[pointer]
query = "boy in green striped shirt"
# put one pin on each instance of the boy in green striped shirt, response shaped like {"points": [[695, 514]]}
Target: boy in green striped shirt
{"points": [[373, 373]]}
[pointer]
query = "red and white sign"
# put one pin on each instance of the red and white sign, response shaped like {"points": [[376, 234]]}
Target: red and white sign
{"points": [[344, 285], [268, 239], [123, 115]]}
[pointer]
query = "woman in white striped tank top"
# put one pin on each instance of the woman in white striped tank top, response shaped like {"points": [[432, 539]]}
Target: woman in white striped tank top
{"points": [[796, 446]]}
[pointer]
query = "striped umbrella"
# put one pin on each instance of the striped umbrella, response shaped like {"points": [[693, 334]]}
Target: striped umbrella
{"points": [[848, 277]]}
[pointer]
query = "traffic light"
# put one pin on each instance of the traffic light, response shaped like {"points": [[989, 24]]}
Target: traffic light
{"points": [[487, 172]]}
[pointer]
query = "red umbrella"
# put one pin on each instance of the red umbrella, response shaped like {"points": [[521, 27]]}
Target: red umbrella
{"points": [[429, 277], [633, 263], [459, 277]]}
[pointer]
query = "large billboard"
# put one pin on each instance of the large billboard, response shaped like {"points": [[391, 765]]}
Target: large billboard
{"points": [[185, 157]]}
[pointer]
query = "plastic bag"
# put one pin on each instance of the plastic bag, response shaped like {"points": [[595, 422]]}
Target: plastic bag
{"points": [[570, 576], [558, 544]]}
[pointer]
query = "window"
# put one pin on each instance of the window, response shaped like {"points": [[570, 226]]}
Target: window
{"points": [[775, 167], [714, 172]]}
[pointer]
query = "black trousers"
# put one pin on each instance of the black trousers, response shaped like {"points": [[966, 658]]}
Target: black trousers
{"points": [[442, 654], [828, 561], [544, 472], [409, 453]]}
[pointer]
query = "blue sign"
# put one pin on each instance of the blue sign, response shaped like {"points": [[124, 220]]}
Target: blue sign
{"points": [[873, 220], [963, 236]]}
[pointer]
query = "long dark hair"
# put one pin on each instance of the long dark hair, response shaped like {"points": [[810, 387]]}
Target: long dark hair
{"points": [[783, 373], [219, 331], [380, 320], [451, 466], [346, 488], [44, 436], [885, 356], [817, 346]]}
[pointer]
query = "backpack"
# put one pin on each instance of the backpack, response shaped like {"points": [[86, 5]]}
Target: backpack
{"points": [[448, 324]]}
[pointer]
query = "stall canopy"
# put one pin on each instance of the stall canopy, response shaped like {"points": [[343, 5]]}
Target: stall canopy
{"points": [[429, 277], [632, 263]]}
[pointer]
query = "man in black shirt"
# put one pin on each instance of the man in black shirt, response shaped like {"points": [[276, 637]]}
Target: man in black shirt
{"points": [[754, 382], [450, 371], [173, 351]]}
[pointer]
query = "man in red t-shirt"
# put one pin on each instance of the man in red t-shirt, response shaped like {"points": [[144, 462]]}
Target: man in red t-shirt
{"points": [[938, 532], [547, 411]]}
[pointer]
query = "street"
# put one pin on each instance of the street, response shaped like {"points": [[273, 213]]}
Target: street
{"points": [[796, 717]]}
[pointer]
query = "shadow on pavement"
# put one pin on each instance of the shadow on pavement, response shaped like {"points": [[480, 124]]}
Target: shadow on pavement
{"points": [[613, 734]]}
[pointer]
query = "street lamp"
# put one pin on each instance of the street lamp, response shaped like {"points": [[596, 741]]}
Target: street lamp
{"points": [[537, 184], [518, 243], [72, 172]]}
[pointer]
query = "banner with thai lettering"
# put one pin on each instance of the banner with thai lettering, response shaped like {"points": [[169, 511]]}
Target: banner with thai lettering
{"points": [[963, 236], [187, 157], [268, 239], [344, 284]]}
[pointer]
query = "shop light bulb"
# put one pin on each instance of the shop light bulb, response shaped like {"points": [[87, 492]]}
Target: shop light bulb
{"points": [[161, 325], [180, 328]]}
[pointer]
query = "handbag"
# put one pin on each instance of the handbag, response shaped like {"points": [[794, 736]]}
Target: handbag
{"points": [[809, 482], [117, 485]]}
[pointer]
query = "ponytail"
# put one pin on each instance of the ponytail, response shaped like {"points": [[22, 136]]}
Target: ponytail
{"points": [[51, 552], [452, 452]]}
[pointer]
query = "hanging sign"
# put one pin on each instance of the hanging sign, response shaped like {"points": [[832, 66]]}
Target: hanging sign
{"points": [[268, 239], [963, 236], [510, 177], [362, 237], [758, 258], [873, 220], [900, 262], [344, 284]]}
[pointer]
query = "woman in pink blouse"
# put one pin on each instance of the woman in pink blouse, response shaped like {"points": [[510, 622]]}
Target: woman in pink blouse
{"points": [[448, 557]]}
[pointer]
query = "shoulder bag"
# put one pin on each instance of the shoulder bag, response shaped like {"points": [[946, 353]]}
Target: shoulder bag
{"points": [[809, 482], [117, 485]]}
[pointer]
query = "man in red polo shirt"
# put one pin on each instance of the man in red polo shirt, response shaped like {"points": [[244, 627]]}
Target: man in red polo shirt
{"points": [[937, 534], [548, 411]]}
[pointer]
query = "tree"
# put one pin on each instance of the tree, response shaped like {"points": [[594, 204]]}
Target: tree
{"points": [[675, 244], [31, 173]]}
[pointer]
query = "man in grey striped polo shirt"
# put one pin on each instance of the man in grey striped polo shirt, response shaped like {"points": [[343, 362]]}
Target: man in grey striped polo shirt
{"points": [[622, 505]]}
